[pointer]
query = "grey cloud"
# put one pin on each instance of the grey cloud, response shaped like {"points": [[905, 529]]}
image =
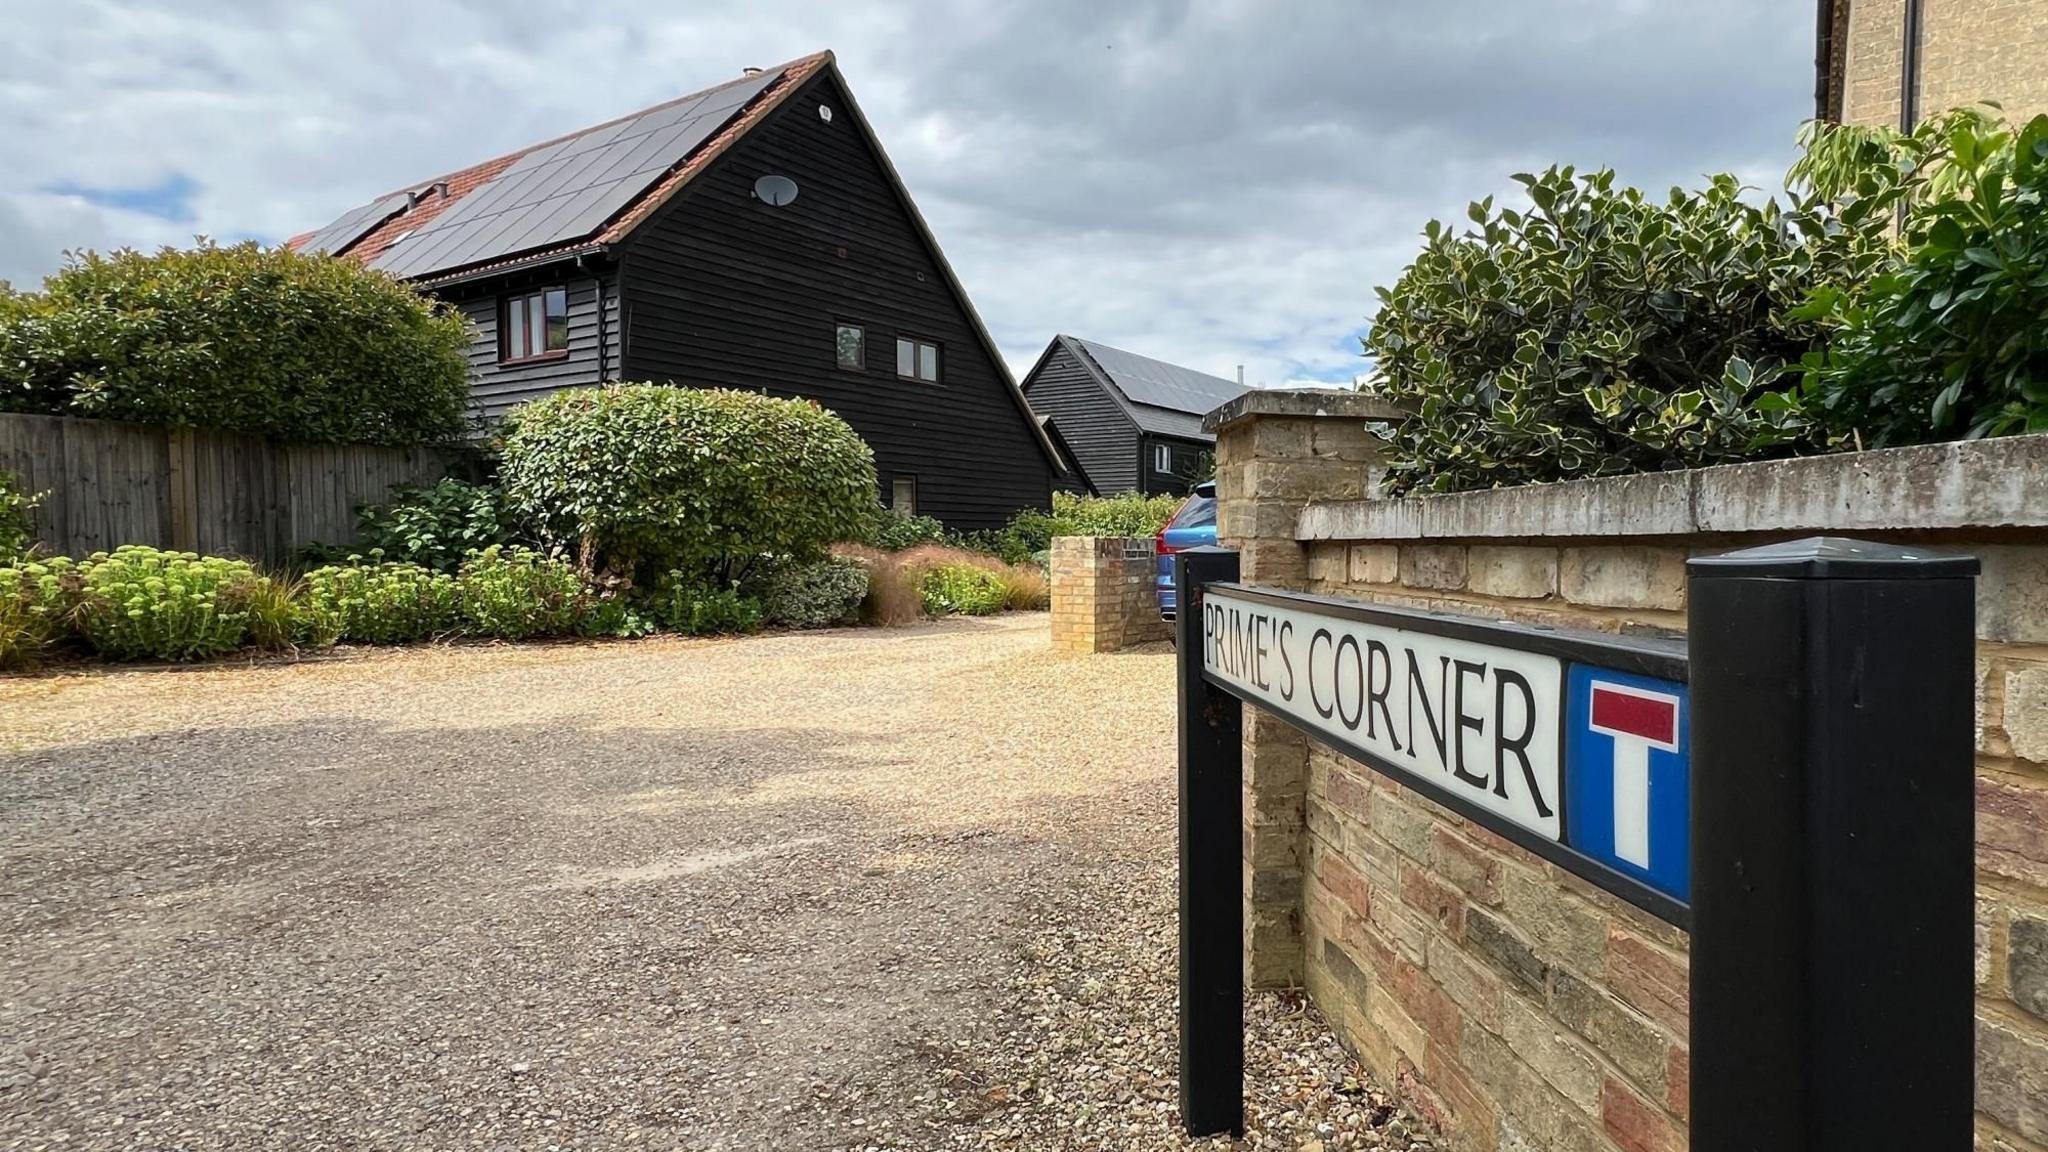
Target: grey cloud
{"points": [[1214, 182]]}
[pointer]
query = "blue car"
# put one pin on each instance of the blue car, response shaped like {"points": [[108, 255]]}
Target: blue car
{"points": [[1192, 527]]}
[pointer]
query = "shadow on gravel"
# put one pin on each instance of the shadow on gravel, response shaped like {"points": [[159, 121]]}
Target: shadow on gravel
{"points": [[337, 935]]}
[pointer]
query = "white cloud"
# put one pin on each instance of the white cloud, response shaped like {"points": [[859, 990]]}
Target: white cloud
{"points": [[1215, 183]]}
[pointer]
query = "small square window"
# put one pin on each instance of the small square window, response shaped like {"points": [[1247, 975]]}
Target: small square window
{"points": [[852, 342], [1162, 459], [917, 360], [903, 495], [534, 324]]}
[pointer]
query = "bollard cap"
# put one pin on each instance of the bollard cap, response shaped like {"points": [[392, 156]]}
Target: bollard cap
{"points": [[1835, 558]]}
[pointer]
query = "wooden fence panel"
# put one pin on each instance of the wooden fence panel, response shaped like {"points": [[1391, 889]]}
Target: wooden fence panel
{"points": [[111, 483]]}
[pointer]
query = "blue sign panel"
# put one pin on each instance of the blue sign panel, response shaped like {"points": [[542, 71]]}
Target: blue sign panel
{"points": [[1628, 776]]}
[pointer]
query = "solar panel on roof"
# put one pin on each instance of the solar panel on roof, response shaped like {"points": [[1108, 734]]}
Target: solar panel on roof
{"points": [[1144, 380], [569, 189], [355, 224]]}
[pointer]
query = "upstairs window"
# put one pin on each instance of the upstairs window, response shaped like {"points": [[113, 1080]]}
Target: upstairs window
{"points": [[853, 349], [534, 325], [917, 360]]}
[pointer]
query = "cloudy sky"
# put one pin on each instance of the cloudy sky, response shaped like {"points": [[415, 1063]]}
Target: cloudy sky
{"points": [[1217, 183]]}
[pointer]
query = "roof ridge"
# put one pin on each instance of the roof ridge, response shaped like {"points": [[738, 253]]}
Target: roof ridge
{"points": [[516, 153]]}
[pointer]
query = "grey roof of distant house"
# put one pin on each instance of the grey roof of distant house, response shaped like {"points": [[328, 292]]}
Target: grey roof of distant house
{"points": [[1161, 398]]}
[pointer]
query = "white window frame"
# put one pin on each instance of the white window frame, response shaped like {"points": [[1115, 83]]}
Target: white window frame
{"points": [[1162, 459]]}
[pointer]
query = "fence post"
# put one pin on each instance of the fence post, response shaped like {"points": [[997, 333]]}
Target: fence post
{"points": [[1211, 868], [1832, 888]]}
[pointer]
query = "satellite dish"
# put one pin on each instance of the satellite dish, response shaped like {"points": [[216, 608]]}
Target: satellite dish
{"points": [[775, 191]]}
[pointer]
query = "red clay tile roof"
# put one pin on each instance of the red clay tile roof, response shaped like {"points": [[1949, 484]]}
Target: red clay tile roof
{"points": [[464, 181]]}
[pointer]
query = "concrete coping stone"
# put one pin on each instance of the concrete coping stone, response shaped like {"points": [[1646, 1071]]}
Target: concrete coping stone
{"points": [[1322, 403], [1967, 484]]}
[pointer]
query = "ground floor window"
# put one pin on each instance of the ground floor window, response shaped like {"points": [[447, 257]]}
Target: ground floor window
{"points": [[903, 495], [1162, 459]]}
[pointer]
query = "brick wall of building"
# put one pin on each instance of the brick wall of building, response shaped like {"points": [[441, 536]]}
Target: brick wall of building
{"points": [[1971, 50], [1516, 1005], [1103, 598]]}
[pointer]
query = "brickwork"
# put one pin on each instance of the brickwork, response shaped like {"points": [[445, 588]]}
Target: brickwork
{"points": [[1513, 1004], [1525, 1009], [1971, 50], [1103, 597], [1266, 466]]}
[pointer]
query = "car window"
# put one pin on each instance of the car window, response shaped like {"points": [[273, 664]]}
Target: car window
{"points": [[1199, 510]]}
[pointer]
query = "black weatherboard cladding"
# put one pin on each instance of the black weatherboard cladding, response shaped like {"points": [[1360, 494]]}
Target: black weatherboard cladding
{"points": [[494, 387], [1103, 438], [720, 290]]}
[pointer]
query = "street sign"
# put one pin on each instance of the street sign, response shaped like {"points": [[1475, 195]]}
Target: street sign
{"points": [[1572, 744]]}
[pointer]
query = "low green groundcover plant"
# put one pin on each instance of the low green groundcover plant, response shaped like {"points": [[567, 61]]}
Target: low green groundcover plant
{"points": [[521, 594], [695, 610], [378, 602], [36, 600], [947, 589], [139, 603], [820, 594]]}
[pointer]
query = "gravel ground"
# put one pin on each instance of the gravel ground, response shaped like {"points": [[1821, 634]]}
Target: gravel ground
{"points": [[904, 889]]}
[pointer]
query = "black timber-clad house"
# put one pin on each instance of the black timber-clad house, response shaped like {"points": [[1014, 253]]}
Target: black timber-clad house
{"points": [[1130, 423], [753, 235]]}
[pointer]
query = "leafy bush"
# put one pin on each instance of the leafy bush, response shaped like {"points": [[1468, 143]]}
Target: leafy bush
{"points": [[695, 610], [379, 603], [436, 525], [248, 339], [520, 594], [613, 613], [1603, 332], [890, 530], [36, 601], [947, 589], [1031, 531], [138, 603], [818, 594], [644, 478], [17, 527], [1951, 341]]}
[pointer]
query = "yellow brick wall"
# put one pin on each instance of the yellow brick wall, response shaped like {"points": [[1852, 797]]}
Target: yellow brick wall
{"points": [[1520, 1007], [1103, 597], [1971, 50]]}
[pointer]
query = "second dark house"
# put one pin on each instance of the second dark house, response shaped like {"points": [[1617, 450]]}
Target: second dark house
{"points": [[752, 235], [1132, 423]]}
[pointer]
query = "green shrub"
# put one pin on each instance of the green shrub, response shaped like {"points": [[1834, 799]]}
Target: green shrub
{"points": [[36, 602], [647, 478], [1950, 342], [695, 610], [819, 594], [244, 338], [520, 594], [138, 603], [436, 525], [947, 589], [379, 603], [890, 530], [615, 614], [1603, 332], [17, 525], [1030, 532]]}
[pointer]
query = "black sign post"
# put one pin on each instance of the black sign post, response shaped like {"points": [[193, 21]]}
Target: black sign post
{"points": [[1211, 868], [1832, 848]]}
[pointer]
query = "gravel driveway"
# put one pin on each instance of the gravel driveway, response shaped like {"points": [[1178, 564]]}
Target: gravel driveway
{"points": [[854, 889]]}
